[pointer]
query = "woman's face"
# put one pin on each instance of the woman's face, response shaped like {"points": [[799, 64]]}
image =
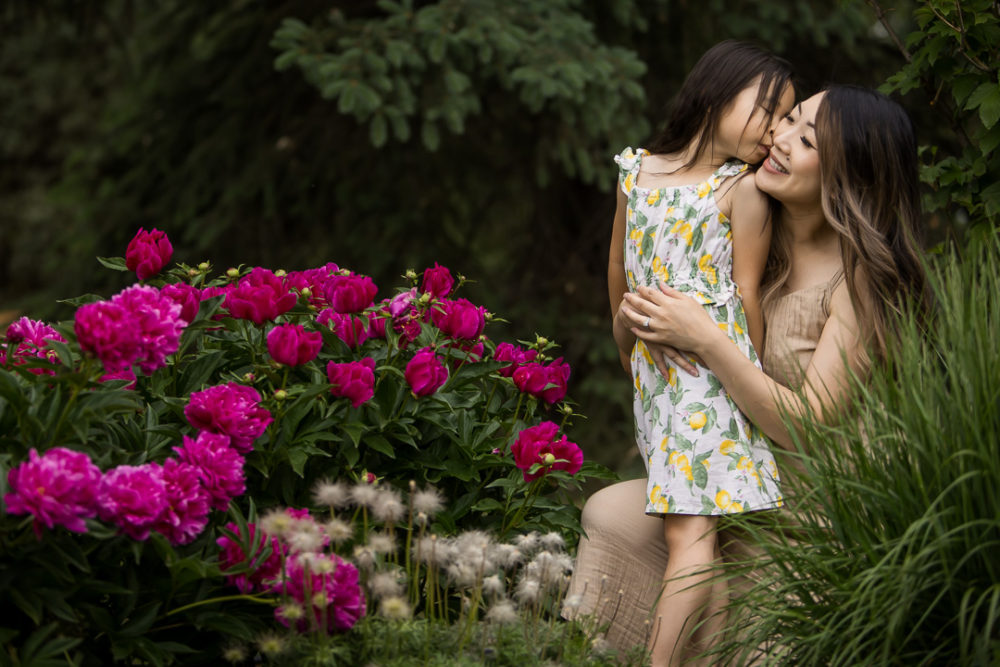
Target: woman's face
{"points": [[790, 174]]}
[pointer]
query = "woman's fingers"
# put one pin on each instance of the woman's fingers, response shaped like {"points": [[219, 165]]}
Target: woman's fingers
{"points": [[680, 360]]}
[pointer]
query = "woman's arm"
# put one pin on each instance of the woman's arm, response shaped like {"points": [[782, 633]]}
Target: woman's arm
{"points": [[751, 227], [678, 320], [618, 283]]}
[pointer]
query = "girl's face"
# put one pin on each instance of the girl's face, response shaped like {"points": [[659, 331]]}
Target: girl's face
{"points": [[791, 172], [744, 130]]}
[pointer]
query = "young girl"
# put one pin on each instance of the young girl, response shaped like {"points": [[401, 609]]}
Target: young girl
{"points": [[690, 215]]}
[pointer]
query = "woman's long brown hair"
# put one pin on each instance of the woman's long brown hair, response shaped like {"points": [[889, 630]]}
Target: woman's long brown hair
{"points": [[870, 196]]}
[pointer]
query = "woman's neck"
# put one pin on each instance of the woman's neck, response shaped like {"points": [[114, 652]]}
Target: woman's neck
{"points": [[807, 225]]}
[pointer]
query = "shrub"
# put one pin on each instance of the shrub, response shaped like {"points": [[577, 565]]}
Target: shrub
{"points": [[133, 435]]}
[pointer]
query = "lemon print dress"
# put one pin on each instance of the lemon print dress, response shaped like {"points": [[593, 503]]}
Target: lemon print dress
{"points": [[703, 456]]}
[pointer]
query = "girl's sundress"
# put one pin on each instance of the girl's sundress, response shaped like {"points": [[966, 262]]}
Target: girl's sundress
{"points": [[702, 454]]}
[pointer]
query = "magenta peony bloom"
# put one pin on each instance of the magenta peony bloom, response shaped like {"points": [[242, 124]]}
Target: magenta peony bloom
{"points": [[331, 593], [30, 339], [229, 409], [292, 345], [219, 467], [349, 328], [259, 296], [351, 293], [546, 382], [437, 281], [133, 498], [401, 305], [515, 355], [312, 280], [459, 318], [107, 330], [148, 253], [187, 297], [186, 511], [122, 373], [354, 380], [231, 556], [377, 321], [425, 373], [59, 488], [538, 444], [157, 319]]}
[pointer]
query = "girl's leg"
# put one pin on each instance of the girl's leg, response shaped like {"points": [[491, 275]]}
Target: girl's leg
{"points": [[713, 619], [691, 543]]}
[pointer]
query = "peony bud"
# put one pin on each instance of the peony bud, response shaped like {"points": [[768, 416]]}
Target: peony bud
{"points": [[204, 266], [233, 273], [280, 395], [148, 253]]}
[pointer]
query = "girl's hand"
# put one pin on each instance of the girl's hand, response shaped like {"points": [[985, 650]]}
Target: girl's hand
{"points": [[670, 318], [661, 353]]}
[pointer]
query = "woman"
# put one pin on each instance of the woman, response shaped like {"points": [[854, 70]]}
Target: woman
{"points": [[843, 166]]}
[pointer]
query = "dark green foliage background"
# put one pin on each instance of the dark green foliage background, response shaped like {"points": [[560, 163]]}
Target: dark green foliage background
{"points": [[381, 135]]}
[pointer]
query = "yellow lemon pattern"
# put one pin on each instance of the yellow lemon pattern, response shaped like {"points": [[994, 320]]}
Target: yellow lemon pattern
{"points": [[701, 453]]}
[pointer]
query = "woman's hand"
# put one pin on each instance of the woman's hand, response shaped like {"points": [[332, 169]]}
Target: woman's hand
{"points": [[632, 313], [671, 319]]}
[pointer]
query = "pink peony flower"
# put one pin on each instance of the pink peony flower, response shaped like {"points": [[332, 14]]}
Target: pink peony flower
{"points": [[459, 318], [515, 355], [313, 280], [186, 296], [107, 330], [538, 444], [332, 593], [229, 409], [219, 467], [122, 373], [438, 281], [377, 321], [349, 328], [351, 293], [354, 380], [231, 556], [30, 339], [59, 488], [259, 296], [133, 498], [292, 345], [402, 304], [157, 319], [425, 373], [148, 253], [186, 511], [548, 382]]}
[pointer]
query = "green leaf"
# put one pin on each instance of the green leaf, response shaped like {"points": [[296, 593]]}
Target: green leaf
{"points": [[380, 444], [378, 130], [987, 99], [114, 263]]}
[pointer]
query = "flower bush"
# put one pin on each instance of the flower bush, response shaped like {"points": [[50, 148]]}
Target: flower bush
{"points": [[141, 442]]}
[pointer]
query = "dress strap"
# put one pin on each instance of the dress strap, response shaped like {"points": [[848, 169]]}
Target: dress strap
{"points": [[727, 170], [628, 162]]}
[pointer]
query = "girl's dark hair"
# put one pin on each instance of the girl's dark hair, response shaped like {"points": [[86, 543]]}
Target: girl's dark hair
{"points": [[712, 85]]}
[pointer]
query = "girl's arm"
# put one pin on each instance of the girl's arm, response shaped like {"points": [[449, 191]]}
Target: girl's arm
{"points": [[680, 321], [618, 284], [750, 222]]}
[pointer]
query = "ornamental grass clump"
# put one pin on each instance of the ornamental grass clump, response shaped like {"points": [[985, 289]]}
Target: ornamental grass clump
{"points": [[888, 553], [141, 440]]}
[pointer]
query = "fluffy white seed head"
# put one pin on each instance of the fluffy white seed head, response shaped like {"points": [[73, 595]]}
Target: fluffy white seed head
{"points": [[331, 494], [304, 536], [552, 541], [494, 586], [528, 591], [364, 495], [502, 613], [381, 543], [385, 585], [395, 608], [388, 508], [508, 556], [338, 530], [276, 523], [527, 542], [428, 500], [364, 556]]}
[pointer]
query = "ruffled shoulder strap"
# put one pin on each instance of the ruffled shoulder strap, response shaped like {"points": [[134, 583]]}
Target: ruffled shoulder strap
{"points": [[728, 169], [628, 162]]}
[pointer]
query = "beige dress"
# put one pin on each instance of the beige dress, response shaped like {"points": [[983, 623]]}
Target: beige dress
{"points": [[620, 564]]}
